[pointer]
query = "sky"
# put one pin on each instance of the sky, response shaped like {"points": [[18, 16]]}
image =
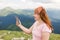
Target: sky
{"points": [[29, 4]]}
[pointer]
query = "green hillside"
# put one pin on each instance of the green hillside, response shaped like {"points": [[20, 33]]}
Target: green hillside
{"points": [[8, 10], [9, 35]]}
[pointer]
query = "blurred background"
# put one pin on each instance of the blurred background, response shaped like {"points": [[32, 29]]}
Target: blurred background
{"points": [[24, 9]]}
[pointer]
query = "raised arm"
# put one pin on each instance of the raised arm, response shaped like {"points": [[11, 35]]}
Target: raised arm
{"points": [[26, 30]]}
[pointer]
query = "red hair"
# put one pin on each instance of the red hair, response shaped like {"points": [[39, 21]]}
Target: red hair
{"points": [[43, 15]]}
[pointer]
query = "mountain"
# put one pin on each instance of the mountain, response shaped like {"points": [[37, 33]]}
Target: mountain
{"points": [[9, 14], [54, 15], [7, 18], [6, 11]]}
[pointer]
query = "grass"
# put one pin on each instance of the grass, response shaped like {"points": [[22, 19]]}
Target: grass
{"points": [[8, 35]]}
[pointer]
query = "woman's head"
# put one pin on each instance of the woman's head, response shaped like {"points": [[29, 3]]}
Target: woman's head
{"points": [[37, 13], [40, 13]]}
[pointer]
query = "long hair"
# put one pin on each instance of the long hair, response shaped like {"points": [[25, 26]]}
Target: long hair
{"points": [[44, 17]]}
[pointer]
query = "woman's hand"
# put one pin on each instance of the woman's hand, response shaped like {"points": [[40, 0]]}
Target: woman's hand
{"points": [[18, 22]]}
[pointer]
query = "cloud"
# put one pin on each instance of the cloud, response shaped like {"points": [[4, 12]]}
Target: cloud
{"points": [[55, 1], [47, 1], [29, 4], [42, 1]]}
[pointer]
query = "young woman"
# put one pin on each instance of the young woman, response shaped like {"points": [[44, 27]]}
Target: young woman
{"points": [[41, 28]]}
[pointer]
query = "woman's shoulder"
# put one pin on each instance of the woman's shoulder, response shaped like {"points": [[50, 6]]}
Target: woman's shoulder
{"points": [[45, 28]]}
